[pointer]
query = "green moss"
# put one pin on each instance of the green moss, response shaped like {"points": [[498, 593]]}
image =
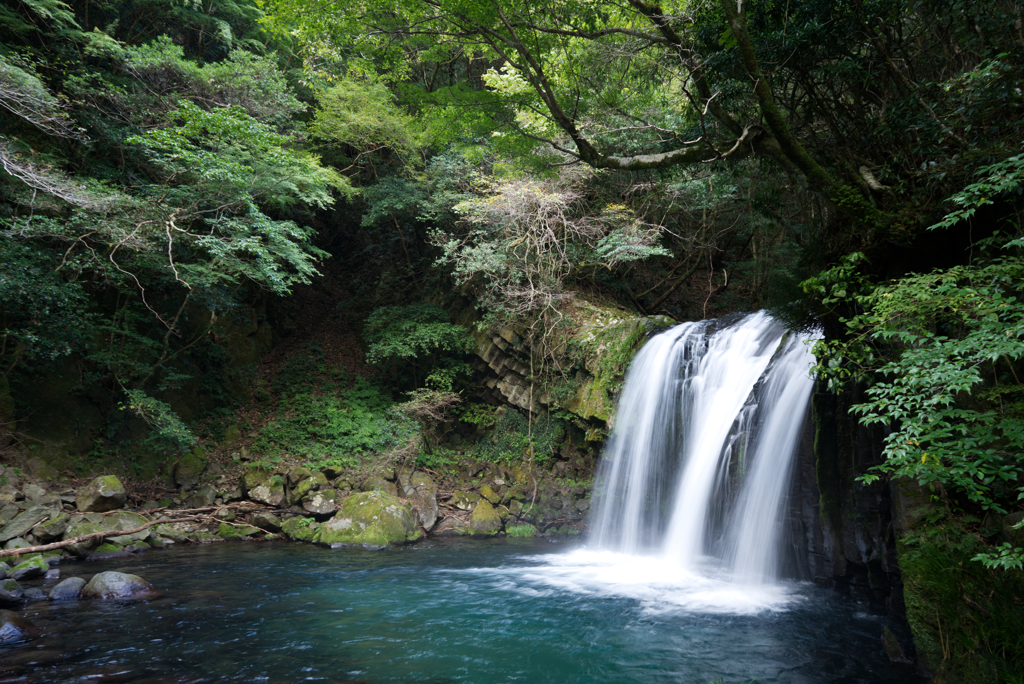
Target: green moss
{"points": [[370, 518], [967, 621], [484, 520], [521, 530]]}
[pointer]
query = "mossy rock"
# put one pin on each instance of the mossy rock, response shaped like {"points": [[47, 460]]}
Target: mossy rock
{"points": [[379, 484], [226, 531], [168, 532], [126, 520], [372, 518], [301, 486], [464, 500], [492, 496], [105, 493], [107, 547], [484, 521], [271, 492], [34, 567], [52, 529], [300, 529], [78, 529], [189, 468]]}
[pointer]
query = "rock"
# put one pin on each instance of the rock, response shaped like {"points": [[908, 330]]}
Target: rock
{"points": [[107, 549], [320, 503], [105, 493], [16, 543], [227, 531], [52, 574], [118, 585], [892, 647], [33, 491], [372, 518], [79, 529], [175, 535], [464, 500], [582, 505], [489, 494], [450, 527], [378, 484], [301, 482], [125, 520], [267, 521], [513, 494], [270, 491], [8, 494], [484, 520], [204, 496], [301, 529], [8, 512], [333, 472], [33, 594], [11, 593], [52, 529], [71, 588], [24, 522], [911, 503], [13, 627], [189, 467], [225, 514], [421, 490], [35, 567]]}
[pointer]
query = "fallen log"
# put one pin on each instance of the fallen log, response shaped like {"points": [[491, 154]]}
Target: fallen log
{"points": [[95, 535]]}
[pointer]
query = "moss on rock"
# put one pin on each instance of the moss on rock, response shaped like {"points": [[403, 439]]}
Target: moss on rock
{"points": [[484, 520], [370, 518]]}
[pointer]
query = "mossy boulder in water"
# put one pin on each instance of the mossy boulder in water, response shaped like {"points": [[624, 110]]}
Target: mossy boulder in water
{"points": [[11, 593], [80, 528], [125, 521], [484, 520], [118, 585], [370, 518], [35, 567], [71, 588], [105, 493]]}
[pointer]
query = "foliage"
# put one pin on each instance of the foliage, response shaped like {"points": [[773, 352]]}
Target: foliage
{"points": [[940, 353], [168, 431], [521, 530], [332, 418], [420, 337], [515, 439]]}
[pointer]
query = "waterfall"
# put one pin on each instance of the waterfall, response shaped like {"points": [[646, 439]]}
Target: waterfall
{"points": [[697, 466]]}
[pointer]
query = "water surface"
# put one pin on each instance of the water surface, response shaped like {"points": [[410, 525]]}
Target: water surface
{"points": [[499, 610]]}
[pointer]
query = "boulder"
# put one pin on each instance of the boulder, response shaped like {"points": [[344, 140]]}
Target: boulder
{"points": [[71, 588], [35, 567], [125, 520], [11, 593], [16, 543], [79, 529], [270, 491], [13, 627], [118, 585], [227, 531], [450, 527], [300, 528], [489, 494], [105, 493], [379, 484], [204, 496], [52, 574], [421, 491], [320, 503], [304, 486], [33, 491], [266, 521], [464, 500], [189, 468], [25, 521], [52, 529], [225, 515], [484, 520], [8, 511], [33, 594], [372, 518], [8, 494]]}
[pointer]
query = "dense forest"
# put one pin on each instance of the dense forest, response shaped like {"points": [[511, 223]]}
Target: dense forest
{"points": [[291, 222]]}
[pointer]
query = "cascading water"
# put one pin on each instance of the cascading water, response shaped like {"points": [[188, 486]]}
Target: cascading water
{"points": [[697, 467]]}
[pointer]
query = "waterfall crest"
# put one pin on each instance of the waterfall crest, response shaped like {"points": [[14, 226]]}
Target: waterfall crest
{"points": [[699, 461]]}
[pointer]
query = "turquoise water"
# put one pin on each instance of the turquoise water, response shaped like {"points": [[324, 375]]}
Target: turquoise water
{"points": [[481, 611]]}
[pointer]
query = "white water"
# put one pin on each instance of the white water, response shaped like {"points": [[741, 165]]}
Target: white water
{"points": [[690, 494]]}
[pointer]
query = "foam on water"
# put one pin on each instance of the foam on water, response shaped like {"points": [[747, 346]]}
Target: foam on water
{"points": [[659, 584]]}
